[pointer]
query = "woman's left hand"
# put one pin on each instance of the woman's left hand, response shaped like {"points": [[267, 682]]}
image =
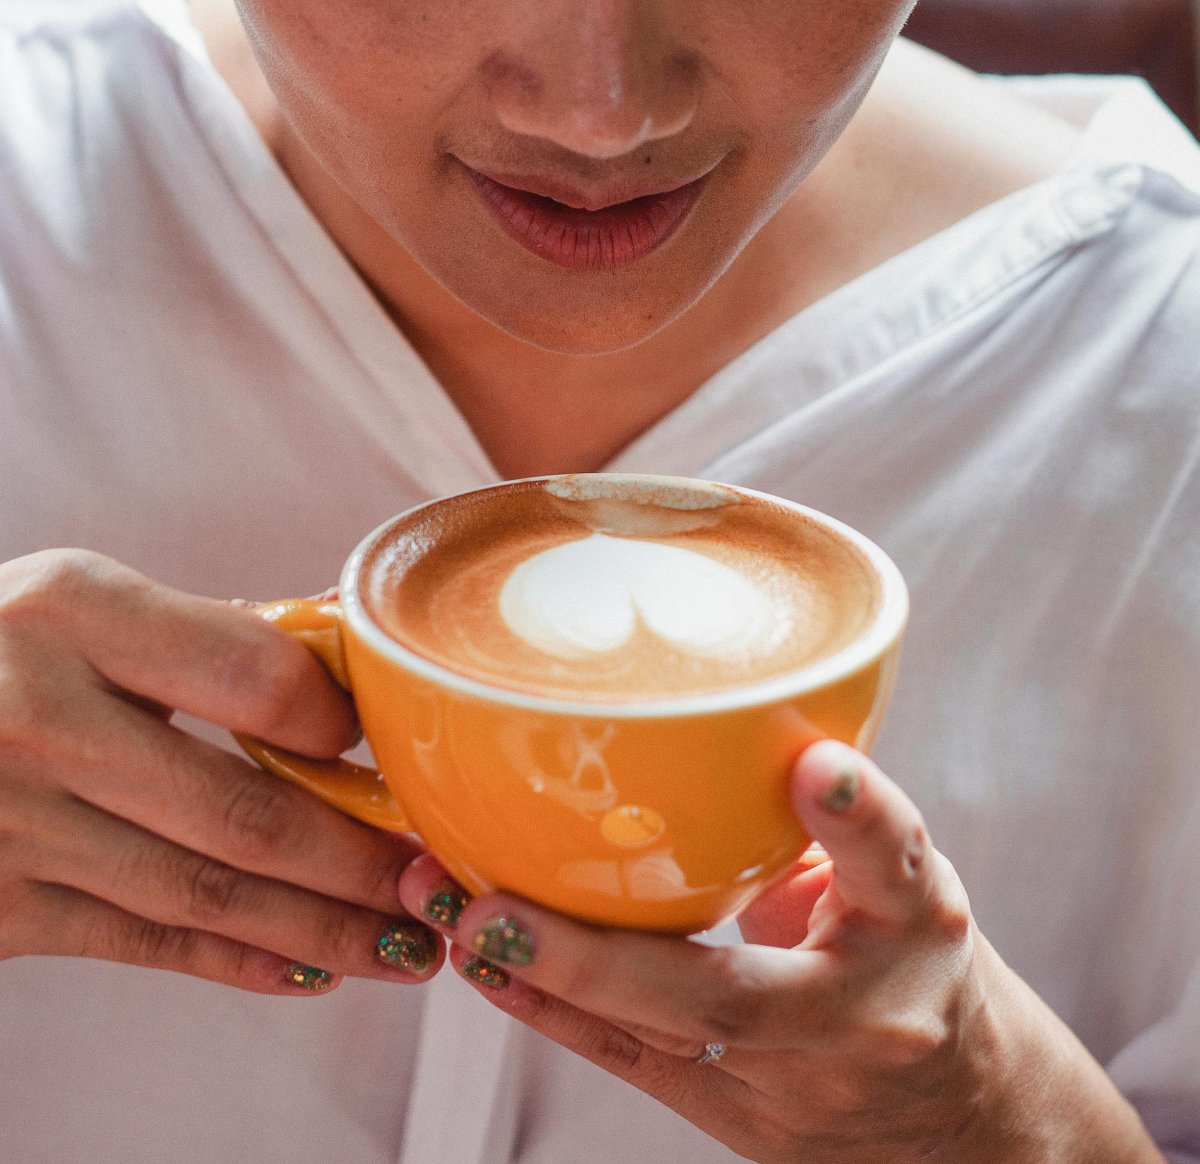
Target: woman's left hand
{"points": [[866, 1018]]}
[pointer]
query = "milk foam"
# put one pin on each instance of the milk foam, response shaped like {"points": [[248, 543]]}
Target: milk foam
{"points": [[610, 591], [587, 597]]}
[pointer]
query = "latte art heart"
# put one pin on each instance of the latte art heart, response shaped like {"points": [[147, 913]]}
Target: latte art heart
{"points": [[588, 597], [611, 592]]}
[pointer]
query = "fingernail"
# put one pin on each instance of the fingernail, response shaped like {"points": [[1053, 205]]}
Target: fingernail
{"points": [[502, 940], [408, 946], [482, 971], [841, 792], [446, 904], [813, 856], [308, 977]]}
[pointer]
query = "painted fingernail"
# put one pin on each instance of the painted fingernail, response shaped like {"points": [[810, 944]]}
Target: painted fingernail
{"points": [[841, 792], [408, 946], [308, 977], [482, 971], [502, 940], [446, 904]]}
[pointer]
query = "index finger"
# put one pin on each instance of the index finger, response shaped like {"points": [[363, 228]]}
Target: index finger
{"points": [[875, 835], [216, 661]]}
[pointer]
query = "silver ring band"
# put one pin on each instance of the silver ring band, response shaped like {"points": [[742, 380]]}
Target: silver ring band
{"points": [[712, 1053]]}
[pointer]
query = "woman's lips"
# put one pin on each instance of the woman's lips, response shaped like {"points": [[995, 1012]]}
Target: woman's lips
{"points": [[613, 236]]}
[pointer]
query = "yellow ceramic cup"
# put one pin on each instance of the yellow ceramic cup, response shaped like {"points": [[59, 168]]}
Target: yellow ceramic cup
{"points": [[665, 815]]}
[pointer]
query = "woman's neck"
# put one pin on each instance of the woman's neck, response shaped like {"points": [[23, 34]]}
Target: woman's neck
{"points": [[930, 145]]}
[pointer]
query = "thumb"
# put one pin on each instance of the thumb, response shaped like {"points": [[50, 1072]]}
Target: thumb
{"points": [[873, 832]]}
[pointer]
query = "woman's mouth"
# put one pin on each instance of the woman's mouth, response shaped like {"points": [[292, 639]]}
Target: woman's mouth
{"points": [[612, 236]]}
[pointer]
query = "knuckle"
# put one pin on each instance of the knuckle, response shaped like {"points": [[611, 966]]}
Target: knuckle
{"points": [[98, 937], [915, 848], [609, 1046], [342, 939], [259, 822], [629, 1058], [199, 891], [736, 1009], [618, 1051], [682, 1046], [212, 892], [915, 1044], [30, 717], [39, 585], [272, 685], [153, 944], [134, 940], [656, 1073], [949, 907], [379, 883]]}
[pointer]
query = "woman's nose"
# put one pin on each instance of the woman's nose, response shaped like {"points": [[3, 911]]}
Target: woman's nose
{"points": [[597, 77]]}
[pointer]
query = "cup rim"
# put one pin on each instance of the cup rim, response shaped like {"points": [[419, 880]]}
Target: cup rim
{"points": [[885, 629]]}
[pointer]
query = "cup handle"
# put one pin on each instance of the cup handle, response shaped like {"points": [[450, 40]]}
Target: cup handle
{"points": [[355, 789]]}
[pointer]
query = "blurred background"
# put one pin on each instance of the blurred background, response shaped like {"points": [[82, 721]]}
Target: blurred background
{"points": [[1155, 39]]}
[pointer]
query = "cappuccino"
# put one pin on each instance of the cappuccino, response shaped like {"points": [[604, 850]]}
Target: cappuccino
{"points": [[617, 589]]}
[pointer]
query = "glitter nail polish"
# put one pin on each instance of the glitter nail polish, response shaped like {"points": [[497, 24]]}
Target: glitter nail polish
{"points": [[407, 946], [483, 972], [502, 940], [446, 904], [308, 977]]}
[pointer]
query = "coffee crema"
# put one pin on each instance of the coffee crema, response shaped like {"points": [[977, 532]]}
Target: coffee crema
{"points": [[617, 588]]}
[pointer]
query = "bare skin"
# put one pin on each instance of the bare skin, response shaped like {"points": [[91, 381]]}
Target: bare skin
{"points": [[865, 1018], [124, 838], [536, 409]]}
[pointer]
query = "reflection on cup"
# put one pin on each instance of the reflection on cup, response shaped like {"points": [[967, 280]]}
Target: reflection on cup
{"points": [[588, 690]]}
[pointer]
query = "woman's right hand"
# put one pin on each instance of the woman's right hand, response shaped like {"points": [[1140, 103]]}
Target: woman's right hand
{"points": [[125, 838]]}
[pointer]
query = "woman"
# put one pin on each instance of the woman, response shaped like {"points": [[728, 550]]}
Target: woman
{"points": [[267, 276]]}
